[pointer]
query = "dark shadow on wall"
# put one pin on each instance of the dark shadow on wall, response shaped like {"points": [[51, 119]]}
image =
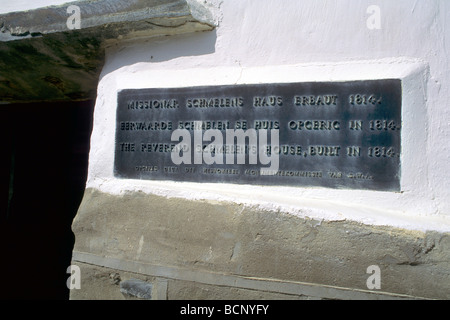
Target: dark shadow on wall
{"points": [[42, 181], [160, 49]]}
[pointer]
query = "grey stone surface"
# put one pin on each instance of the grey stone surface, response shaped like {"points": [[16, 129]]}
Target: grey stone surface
{"points": [[48, 20], [41, 59], [99, 283], [136, 288], [209, 239]]}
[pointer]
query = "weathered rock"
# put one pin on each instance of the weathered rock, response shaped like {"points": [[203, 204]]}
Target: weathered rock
{"points": [[41, 59]]}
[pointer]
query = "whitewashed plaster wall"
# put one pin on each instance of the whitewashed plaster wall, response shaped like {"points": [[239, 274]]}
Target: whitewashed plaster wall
{"points": [[268, 41]]}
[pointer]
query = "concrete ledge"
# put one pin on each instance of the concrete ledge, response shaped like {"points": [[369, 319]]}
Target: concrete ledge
{"points": [[41, 59], [216, 282], [230, 245]]}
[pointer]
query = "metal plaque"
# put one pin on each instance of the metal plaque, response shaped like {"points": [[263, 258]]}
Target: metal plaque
{"points": [[322, 134]]}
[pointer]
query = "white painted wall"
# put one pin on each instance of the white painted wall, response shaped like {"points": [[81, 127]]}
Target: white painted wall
{"points": [[7, 6], [321, 40]]}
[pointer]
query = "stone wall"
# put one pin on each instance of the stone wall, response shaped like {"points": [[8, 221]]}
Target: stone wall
{"points": [[211, 249]]}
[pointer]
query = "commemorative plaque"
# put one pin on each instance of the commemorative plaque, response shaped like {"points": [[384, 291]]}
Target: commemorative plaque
{"points": [[319, 134]]}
